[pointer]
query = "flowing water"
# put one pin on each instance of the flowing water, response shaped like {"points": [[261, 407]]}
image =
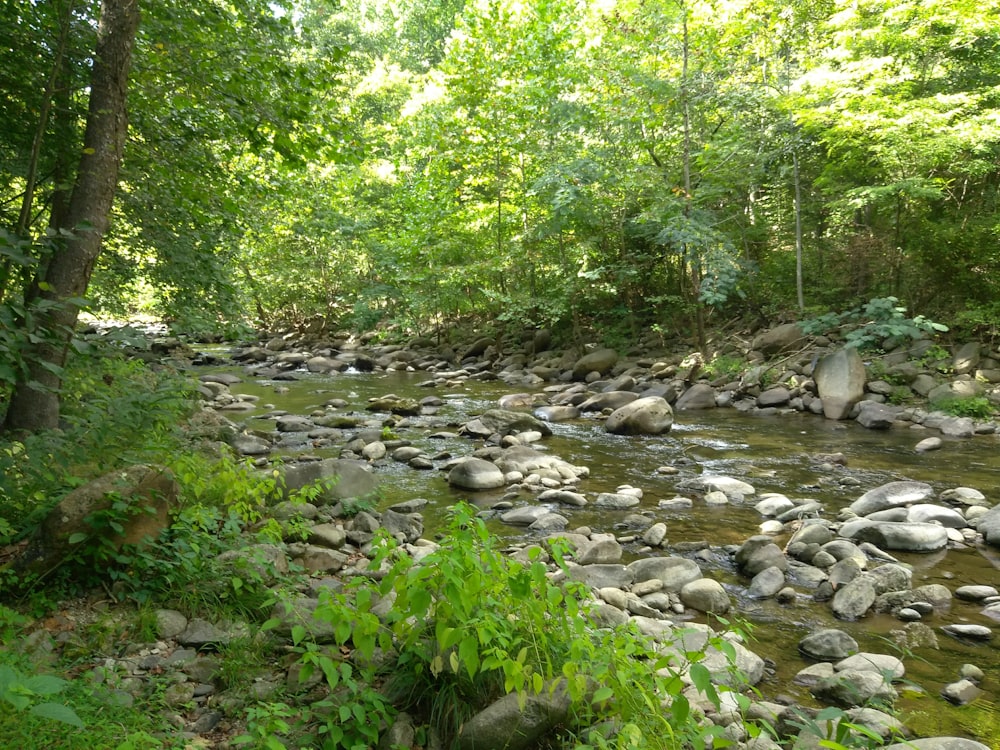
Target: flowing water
{"points": [[774, 453]]}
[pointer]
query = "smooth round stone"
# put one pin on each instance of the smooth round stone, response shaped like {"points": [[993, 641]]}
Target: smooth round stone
{"points": [[909, 614], [928, 444], [772, 527], [970, 632], [974, 593], [924, 608]]}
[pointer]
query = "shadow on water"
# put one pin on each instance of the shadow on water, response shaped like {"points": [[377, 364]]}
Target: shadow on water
{"points": [[777, 453]]}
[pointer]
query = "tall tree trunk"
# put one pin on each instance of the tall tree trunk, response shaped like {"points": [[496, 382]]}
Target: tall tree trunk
{"points": [[34, 404]]}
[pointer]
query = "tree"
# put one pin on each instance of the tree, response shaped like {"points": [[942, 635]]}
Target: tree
{"points": [[34, 403]]}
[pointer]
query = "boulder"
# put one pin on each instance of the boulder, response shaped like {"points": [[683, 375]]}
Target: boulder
{"points": [[339, 479], [840, 381], [609, 400], [599, 360], [516, 721], [778, 339], [507, 422], [476, 474], [698, 396], [906, 537], [989, 526], [828, 644], [705, 595], [891, 495], [645, 416], [137, 500]]}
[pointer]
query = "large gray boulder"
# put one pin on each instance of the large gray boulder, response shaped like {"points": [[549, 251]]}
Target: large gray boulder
{"points": [[778, 339], [892, 495], [608, 400], [840, 381], [673, 572], [148, 495], [989, 526], [516, 722], [645, 416], [828, 644], [599, 360], [476, 474], [903, 537], [698, 396], [339, 479], [507, 422]]}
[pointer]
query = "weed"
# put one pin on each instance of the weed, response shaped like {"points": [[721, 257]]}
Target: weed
{"points": [[975, 407]]}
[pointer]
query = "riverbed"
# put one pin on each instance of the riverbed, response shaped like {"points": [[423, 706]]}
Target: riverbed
{"points": [[783, 452]]}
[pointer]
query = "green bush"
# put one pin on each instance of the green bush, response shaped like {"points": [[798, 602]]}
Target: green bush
{"points": [[976, 407], [468, 625]]}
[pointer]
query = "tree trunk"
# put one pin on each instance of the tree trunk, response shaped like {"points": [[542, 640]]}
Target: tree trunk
{"points": [[34, 404]]}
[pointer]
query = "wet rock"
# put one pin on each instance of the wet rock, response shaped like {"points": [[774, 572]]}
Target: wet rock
{"points": [[767, 583], [615, 501], [886, 665], [338, 479], [961, 692], [644, 416], [609, 400], [655, 535], [852, 601], [876, 416], [891, 495], [928, 444], [705, 595], [908, 537], [968, 632], [758, 553], [674, 572], [601, 576], [854, 688], [828, 644], [557, 413], [476, 474]]}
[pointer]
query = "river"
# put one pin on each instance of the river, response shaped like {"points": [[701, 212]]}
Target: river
{"points": [[775, 453]]}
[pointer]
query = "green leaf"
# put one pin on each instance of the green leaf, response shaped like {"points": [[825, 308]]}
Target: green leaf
{"points": [[57, 712], [701, 678], [468, 653], [77, 537]]}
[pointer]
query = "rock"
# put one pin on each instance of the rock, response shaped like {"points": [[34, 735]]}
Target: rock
{"points": [[644, 416], [778, 339], [968, 632], [705, 595], [615, 501], [930, 513], [339, 479], [852, 601], [699, 396], [563, 497], [169, 623], [767, 583], [249, 445], [888, 666], [674, 572], [515, 722], [907, 537], [975, 593], [989, 526], [891, 495], [961, 692], [854, 688], [966, 359], [507, 422], [601, 551], [773, 397], [758, 553], [928, 444], [840, 382], [149, 493], [602, 576], [875, 416], [655, 535], [524, 516], [828, 644], [608, 400], [558, 413], [938, 743], [476, 474], [201, 633], [599, 360]]}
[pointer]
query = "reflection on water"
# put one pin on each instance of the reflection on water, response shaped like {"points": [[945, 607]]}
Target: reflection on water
{"points": [[782, 453]]}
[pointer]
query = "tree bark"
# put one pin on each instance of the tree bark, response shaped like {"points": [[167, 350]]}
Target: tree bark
{"points": [[34, 404]]}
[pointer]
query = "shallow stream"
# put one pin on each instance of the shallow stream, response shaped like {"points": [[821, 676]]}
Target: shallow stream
{"points": [[774, 453]]}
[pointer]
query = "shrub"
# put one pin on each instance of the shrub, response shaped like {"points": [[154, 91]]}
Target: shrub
{"points": [[976, 407]]}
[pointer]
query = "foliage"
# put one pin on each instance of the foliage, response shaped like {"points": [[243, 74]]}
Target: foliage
{"points": [[117, 412], [871, 325], [466, 625], [23, 692], [724, 366], [976, 407]]}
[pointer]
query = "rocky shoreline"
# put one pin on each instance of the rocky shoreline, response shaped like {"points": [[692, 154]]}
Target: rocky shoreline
{"points": [[845, 562]]}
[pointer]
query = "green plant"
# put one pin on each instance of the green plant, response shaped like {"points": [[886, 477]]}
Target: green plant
{"points": [[23, 692], [835, 730], [871, 324], [724, 366], [975, 407], [936, 357]]}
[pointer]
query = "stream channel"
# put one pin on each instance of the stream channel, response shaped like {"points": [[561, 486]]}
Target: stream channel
{"points": [[775, 453]]}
